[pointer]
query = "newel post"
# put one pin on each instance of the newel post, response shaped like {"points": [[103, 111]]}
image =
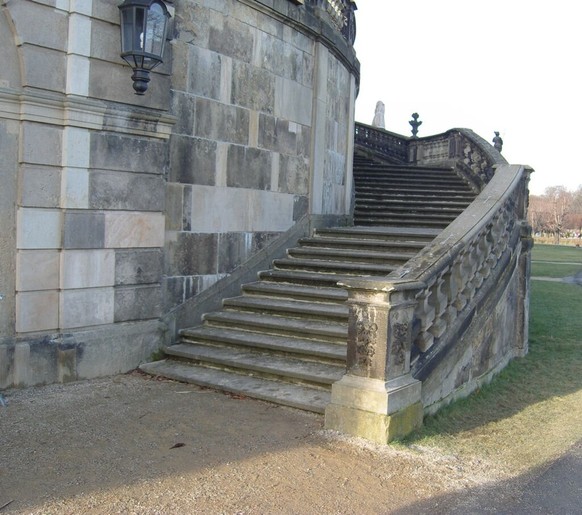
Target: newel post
{"points": [[377, 398]]}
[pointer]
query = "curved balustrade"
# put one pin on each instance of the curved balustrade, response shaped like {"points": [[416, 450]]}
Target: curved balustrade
{"points": [[453, 315]]}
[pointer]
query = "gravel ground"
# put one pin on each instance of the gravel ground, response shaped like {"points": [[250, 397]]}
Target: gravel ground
{"points": [[134, 444]]}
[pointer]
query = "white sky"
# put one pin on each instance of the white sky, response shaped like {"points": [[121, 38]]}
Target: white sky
{"points": [[511, 66]]}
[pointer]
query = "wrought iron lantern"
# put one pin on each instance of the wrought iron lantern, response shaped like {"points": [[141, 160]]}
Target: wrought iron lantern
{"points": [[144, 24]]}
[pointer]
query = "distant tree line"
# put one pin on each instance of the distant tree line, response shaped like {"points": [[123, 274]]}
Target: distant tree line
{"points": [[557, 213]]}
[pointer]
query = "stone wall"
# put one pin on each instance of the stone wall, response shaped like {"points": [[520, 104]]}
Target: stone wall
{"points": [[116, 208]]}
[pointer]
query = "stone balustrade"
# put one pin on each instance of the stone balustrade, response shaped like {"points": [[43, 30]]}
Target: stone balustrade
{"points": [[448, 319]]}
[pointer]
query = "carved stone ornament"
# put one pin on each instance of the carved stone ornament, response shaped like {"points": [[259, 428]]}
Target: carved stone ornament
{"points": [[399, 339], [366, 338]]}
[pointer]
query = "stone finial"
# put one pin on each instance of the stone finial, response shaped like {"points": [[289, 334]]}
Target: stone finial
{"points": [[497, 142], [415, 124], [379, 115]]}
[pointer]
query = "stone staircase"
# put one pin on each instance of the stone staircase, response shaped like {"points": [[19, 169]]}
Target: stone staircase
{"points": [[284, 339]]}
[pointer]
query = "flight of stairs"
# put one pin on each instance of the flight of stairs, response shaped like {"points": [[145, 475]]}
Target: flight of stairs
{"points": [[284, 339]]}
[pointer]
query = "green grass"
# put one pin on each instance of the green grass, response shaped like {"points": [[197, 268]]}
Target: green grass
{"points": [[557, 253], [557, 270], [531, 410]]}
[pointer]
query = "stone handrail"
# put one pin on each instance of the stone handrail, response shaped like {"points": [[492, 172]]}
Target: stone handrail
{"points": [[342, 15], [387, 144], [400, 325]]}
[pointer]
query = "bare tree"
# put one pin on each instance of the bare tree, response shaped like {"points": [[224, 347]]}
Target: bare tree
{"points": [[560, 204]]}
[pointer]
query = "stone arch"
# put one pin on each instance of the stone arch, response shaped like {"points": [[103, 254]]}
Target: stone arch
{"points": [[11, 70]]}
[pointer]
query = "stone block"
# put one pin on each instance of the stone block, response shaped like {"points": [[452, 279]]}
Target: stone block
{"points": [[126, 153], [79, 26], [126, 191], [192, 254], [76, 147], [234, 39], [248, 168], [204, 73], [253, 88], [293, 101], [138, 266], [49, 33], [87, 268], [75, 188], [40, 186], [174, 206], [233, 249], [221, 122], [37, 270], [193, 160], [37, 311], [137, 303], [127, 230], [36, 61], [240, 210], [277, 135], [293, 175], [38, 228], [78, 72], [300, 207], [104, 39], [87, 307], [84, 230], [41, 144], [184, 108]]}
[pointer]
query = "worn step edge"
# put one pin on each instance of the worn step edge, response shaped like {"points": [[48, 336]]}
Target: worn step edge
{"points": [[296, 396], [284, 368], [282, 290], [291, 307], [281, 344], [332, 266]]}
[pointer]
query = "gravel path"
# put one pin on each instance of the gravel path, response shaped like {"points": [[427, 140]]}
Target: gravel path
{"points": [[132, 444]]}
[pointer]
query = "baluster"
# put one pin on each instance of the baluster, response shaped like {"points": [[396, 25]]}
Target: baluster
{"points": [[440, 301], [426, 314]]}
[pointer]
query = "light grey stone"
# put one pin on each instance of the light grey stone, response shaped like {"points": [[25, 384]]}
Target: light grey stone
{"points": [[221, 122], [278, 135], [204, 73], [86, 307], [49, 34], [253, 88], [234, 39], [36, 62], [249, 168], [293, 175], [138, 266], [192, 254], [42, 144]]}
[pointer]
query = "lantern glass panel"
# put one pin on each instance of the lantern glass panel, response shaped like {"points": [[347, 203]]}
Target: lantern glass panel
{"points": [[155, 36]]}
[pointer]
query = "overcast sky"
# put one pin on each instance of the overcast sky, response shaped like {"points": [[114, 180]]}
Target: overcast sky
{"points": [[511, 66]]}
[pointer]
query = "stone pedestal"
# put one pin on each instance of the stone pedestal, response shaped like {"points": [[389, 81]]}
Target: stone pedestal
{"points": [[373, 409]]}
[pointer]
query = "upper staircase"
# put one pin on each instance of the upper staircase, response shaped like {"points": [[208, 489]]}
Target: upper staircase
{"points": [[284, 338]]}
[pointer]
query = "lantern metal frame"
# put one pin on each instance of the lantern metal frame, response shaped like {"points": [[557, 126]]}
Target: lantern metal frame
{"points": [[144, 28]]}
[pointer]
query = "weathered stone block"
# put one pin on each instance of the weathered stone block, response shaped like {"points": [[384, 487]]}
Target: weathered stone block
{"points": [[91, 306], [126, 191], [116, 152], [84, 230], [41, 144], [253, 88], [36, 60], [192, 254], [40, 186], [87, 268], [75, 188], [125, 230], [293, 175], [220, 122], [293, 101], [184, 107], [193, 160], [248, 168], [204, 72], [37, 270], [277, 135], [25, 16], [300, 207], [137, 303], [38, 229], [233, 39], [37, 311], [174, 201], [138, 266]]}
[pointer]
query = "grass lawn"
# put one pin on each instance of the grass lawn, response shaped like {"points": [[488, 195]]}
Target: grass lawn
{"points": [[532, 411]]}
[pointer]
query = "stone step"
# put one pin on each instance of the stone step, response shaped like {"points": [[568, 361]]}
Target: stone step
{"points": [[261, 364], [350, 255], [403, 247], [298, 292], [321, 350], [425, 182], [333, 267], [292, 308], [278, 325], [413, 210], [386, 233], [407, 169], [397, 200], [304, 278], [423, 191], [287, 394], [404, 222]]}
